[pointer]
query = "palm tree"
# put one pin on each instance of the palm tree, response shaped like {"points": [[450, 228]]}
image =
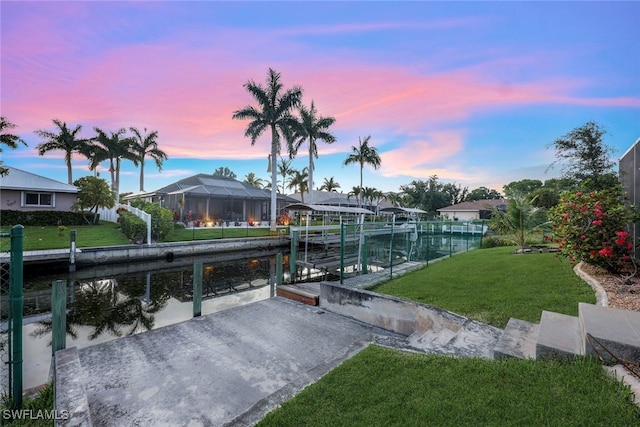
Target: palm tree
{"points": [[114, 148], [252, 179], [520, 220], [273, 113], [396, 199], [66, 140], [355, 192], [146, 145], [329, 185], [299, 181], [312, 128], [372, 196], [363, 154], [9, 140], [224, 172], [284, 170]]}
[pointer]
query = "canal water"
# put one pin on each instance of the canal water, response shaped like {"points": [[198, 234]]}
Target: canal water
{"points": [[111, 301]]}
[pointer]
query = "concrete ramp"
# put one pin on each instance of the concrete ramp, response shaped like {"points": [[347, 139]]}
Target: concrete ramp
{"points": [[233, 366]]}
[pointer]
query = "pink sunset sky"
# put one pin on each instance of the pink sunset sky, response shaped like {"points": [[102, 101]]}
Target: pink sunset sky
{"points": [[472, 92]]}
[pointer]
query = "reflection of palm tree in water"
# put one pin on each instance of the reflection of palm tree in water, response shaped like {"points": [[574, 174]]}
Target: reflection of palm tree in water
{"points": [[100, 305]]}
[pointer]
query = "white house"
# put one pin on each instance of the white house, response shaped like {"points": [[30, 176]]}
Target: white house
{"points": [[467, 211]]}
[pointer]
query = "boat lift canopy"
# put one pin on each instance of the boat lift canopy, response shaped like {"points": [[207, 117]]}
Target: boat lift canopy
{"points": [[398, 209], [327, 209]]}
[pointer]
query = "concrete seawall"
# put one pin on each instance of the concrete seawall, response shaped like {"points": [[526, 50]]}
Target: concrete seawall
{"points": [[166, 251]]}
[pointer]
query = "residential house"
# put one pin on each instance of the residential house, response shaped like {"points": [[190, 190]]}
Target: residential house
{"points": [[212, 198], [630, 179], [467, 211], [26, 191]]}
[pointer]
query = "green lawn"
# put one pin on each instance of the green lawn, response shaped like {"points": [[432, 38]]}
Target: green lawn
{"points": [[206, 233], [492, 285], [385, 387], [37, 238]]}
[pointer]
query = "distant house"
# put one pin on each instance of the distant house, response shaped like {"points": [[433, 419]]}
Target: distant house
{"points": [[467, 211], [630, 179], [214, 198], [26, 191]]}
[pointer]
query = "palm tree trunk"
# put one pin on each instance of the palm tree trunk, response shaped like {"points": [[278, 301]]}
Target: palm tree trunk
{"points": [[310, 186], [361, 190], [142, 175], [274, 177], [69, 171]]}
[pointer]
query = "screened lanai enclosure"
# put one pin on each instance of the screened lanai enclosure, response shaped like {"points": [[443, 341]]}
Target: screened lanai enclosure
{"points": [[212, 198], [333, 241]]}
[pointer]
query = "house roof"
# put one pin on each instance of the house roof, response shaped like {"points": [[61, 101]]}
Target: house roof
{"points": [[476, 206], [215, 186], [20, 180]]}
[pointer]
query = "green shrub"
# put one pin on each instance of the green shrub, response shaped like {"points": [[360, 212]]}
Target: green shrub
{"points": [[494, 242], [591, 227], [133, 227], [10, 218]]}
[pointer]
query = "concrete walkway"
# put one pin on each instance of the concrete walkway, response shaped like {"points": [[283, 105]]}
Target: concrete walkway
{"points": [[228, 368]]}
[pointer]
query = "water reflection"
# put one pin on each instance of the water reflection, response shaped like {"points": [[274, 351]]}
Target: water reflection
{"points": [[124, 304]]}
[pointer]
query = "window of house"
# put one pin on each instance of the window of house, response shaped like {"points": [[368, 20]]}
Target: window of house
{"points": [[38, 199]]}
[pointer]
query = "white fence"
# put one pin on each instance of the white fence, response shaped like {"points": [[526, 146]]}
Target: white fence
{"points": [[111, 215]]}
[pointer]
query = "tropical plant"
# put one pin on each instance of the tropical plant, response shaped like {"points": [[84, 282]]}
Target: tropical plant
{"points": [[363, 154], [585, 157], [8, 139], [114, 147], [224, 172], [146, 145], [396, 199], [355, 192], [66, 140], [252, 179], [312, 128], [373, 197], [299, 182], [284, 170], [93, 193], [592, 227], [330, 185], [273, 113], [519, 220]]}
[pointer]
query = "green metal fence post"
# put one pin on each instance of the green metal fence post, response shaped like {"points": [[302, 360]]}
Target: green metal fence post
{"points": [[342, 231], [16, 299], [364, 254], [293, 257], [279, 268], [59, 315], [197, 289]]}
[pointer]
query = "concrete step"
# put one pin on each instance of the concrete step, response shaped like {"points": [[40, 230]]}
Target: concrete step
{"points": [[518, 340], [559, 335], [610, 332]]}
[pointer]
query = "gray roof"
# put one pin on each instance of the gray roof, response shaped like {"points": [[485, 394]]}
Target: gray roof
{"points": [[20, 180], [219, 187]]}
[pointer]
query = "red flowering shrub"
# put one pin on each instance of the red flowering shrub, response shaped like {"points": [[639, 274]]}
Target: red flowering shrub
{"points": [[591, 228]]}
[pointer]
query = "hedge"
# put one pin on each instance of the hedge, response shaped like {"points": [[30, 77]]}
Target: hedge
{"points": [[9, 218], [132, 226]]}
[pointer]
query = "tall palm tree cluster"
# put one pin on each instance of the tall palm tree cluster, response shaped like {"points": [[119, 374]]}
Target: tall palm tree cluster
{"points": [[105, 146], [280, 112]]}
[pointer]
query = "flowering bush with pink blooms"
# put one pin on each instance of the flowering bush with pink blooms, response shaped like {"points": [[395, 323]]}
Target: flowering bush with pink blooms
{"points": [[591, 227]]}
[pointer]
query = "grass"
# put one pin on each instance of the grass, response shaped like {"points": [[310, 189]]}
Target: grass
{"points": [[39, 238], [492, 285], [35, 410], [387, 387], [187, 234]]}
